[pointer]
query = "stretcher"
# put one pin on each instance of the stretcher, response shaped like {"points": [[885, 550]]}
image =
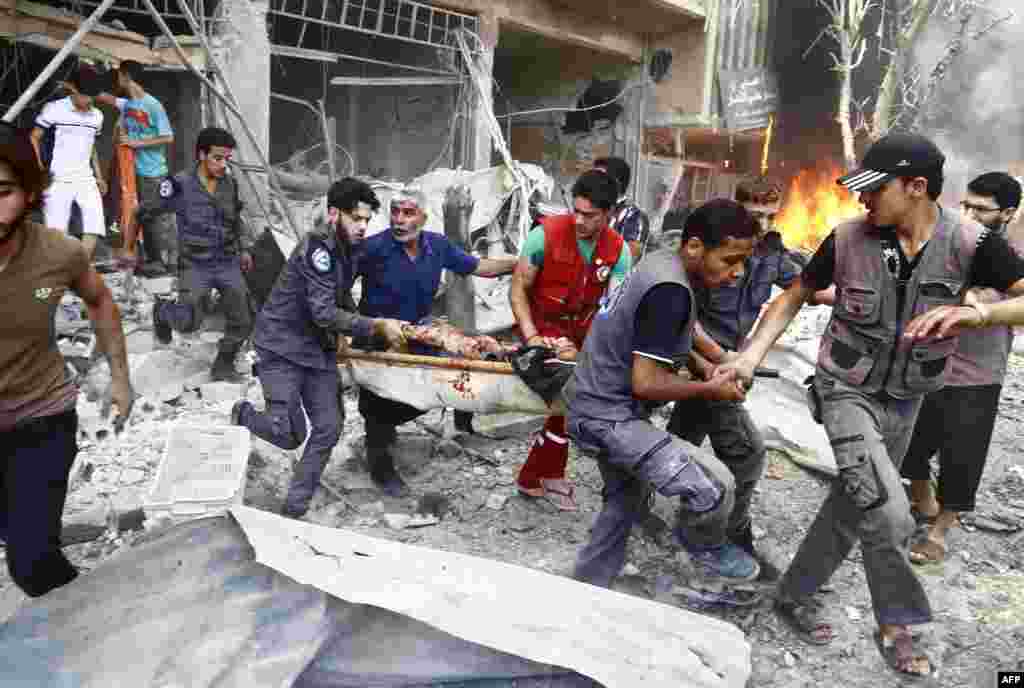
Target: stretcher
{"points": [[429, 382]]}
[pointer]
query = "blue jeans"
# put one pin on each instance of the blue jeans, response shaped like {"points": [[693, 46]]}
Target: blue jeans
{"points": [[35, 458]]}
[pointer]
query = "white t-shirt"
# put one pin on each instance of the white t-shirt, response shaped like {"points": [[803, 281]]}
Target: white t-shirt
{"points": [[74, 137]]}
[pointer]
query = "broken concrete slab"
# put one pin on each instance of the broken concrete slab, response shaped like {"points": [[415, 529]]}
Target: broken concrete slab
{"points": [[618, 640]]}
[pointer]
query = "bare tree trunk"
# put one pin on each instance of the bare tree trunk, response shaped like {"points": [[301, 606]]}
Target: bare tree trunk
{"points": [[845, 69], [906, 37]]}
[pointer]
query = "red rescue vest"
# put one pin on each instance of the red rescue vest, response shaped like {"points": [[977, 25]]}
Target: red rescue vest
{"points": [[565, 294]]}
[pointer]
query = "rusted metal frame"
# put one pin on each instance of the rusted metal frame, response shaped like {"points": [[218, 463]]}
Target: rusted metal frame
{"points": [[463, 20]]}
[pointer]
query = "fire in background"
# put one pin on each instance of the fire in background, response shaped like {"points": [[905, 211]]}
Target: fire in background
{"points": [[813, 205]]}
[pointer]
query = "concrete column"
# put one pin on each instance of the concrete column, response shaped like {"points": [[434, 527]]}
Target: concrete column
{"points": [[245, 54], [479, 154], [460, 298]]}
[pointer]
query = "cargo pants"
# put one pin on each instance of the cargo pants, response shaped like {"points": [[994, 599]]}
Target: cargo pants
{"points": [[737, 443], [869, 436], [636, 458]]}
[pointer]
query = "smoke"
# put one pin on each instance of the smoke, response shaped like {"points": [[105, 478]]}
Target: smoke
{"points": [[977, 114]]}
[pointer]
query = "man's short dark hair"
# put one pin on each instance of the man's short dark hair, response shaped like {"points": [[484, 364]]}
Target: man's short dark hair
{"points": [[214, 136], [86, 80], [758, 190], [597, 187], [346, 194], [618, 169], [998, 185], [16, 150], [132, 69], [717, 220]]}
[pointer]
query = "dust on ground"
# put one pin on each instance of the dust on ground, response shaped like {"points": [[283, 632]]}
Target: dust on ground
{"points": [[977, 594]]}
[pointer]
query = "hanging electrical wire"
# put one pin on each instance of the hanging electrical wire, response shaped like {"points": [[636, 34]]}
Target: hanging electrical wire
{"points": [[481, 81]]}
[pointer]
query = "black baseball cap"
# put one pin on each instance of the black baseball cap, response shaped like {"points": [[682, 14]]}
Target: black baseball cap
{"points": [[895, 155]]}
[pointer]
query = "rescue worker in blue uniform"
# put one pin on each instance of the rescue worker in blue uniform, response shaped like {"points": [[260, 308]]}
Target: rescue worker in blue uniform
{"points": [[214, 249], [297, 336], [401, 270]]}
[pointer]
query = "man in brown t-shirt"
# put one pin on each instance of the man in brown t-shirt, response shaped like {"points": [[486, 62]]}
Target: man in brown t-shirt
{"points": [[38, 422]]}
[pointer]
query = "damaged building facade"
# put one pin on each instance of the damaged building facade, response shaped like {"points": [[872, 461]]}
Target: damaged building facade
{"points": [[380, 88]]}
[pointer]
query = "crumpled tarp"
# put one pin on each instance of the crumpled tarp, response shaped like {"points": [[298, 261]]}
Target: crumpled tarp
{"points": [[189, 607]]}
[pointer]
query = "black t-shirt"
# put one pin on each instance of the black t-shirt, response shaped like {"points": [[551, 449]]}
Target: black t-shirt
{"points": [[659, 322], [996, 264]]}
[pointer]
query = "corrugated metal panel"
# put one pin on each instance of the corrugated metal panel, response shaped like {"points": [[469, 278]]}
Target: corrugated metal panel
{"points": [[745, 28]]}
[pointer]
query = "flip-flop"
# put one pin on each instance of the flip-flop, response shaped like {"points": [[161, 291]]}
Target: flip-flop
{"points": [[807, 619], [921, 518], [927, 551], [560, 493], [899, 653]]}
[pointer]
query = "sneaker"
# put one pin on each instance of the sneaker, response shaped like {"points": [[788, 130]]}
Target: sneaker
{"points": [[161, 328], [725, 561], [237, 409]]}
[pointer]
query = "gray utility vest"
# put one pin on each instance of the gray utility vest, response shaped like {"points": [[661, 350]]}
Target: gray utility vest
{"points": [[602, 386], [981, 356], [863, 344], [209, 226]]}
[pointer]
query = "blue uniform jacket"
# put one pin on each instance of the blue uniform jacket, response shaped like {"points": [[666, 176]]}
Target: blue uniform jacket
{"points": [[728, 313], [312, 293], [210, 226]]}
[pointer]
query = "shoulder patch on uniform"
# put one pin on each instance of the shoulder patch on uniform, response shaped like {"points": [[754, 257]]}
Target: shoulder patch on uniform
{"points": [[167, 188], [320, 258]]}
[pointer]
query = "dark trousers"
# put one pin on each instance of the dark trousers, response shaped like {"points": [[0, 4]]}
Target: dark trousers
{"points": [[382, 417], [35, 459], [159, 229], [288, 388], [956, 423], [737, 443], [195, 282]]}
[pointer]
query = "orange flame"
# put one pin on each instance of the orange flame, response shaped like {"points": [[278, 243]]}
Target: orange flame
{"points": [[814, 205]]}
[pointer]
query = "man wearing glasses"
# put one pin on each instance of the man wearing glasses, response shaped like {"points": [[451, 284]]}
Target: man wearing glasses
{"points": [[297, 337], [956, 422], [401, 270]]}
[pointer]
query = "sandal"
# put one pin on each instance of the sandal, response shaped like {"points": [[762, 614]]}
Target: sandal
{"points": [[921, 518], [898, 652], [808, 620], [927, 551], [560, 492]]}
